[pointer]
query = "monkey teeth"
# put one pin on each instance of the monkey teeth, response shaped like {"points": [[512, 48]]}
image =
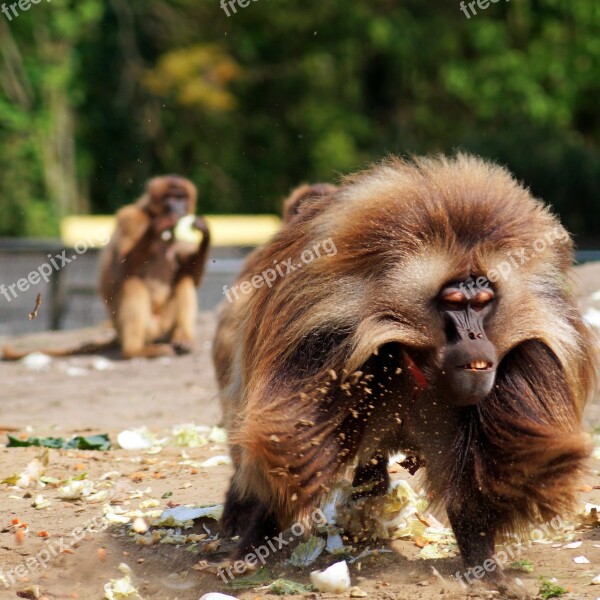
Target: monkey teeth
{"points": [[478, 365]]}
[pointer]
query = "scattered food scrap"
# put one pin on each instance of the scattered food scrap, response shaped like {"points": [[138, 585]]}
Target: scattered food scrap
{"points": [[34, 312]]}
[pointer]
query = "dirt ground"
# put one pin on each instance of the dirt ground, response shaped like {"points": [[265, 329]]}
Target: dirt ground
{"points": [[59, 545]]}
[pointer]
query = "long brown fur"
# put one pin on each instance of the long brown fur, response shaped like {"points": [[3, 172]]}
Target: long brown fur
{"points": [[295, 205], [148, 281], [321, 372]]}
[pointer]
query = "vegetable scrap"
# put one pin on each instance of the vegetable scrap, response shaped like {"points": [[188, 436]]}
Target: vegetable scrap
{"points": [[79, 442]]}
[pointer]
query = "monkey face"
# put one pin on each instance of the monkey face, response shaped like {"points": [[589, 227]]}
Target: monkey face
{"points": [[176, 201], [469, 359], [169, 196]]}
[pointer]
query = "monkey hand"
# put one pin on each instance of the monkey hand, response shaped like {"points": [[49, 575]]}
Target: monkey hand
{"points": [[164, 223], [200, 224]]}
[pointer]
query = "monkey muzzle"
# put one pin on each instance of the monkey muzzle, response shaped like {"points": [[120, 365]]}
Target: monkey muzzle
{"points": [[469, 362], [177, 204]]}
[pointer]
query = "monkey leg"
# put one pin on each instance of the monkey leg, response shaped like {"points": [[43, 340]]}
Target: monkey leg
{"points": [[372, 478], [237, 506], [186, 311], [261, 526], [248, 517], [475, 527], [235, 512], [134, 321]]}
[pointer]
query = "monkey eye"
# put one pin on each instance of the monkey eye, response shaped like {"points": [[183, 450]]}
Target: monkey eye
{"points": [[453, 299], [481, 299]]}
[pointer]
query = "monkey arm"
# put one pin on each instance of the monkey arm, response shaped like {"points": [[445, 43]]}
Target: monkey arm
{"points": [[137, 237], [295, 445], [194, 264]]}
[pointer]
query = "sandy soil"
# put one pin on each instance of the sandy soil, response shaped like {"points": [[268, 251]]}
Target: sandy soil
{"points": [[72, 396]]}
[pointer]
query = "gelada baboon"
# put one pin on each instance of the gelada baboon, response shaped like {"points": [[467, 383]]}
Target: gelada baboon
{"points": [[295, 206], [444, 327], [148, 277]]}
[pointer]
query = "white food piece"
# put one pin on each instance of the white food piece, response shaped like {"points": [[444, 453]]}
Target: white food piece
{"points": [[335, 579], [117, 589], [135, 439], [140, 525], [216, 461], [76, 489], [356, 592], [184, 230], [102, 364], [217, 596], [573, 545], [181, 514], [36, 361], [334, 542], [76, 372], [592, 316], [581, 560]]}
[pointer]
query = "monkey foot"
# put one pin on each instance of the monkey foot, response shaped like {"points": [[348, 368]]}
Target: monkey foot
{"points": [[181, 349], [152, 351], [498, 582]]}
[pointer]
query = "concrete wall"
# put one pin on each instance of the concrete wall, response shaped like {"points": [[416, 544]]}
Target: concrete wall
{"points": [[85, 309]]}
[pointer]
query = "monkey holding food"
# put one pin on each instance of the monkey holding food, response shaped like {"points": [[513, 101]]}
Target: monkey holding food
{"points": [[149, 272], [413, 337], [148, 277]]}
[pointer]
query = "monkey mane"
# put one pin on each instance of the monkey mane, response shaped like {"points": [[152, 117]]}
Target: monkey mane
{"points": [[521, 446], [403, 229]]}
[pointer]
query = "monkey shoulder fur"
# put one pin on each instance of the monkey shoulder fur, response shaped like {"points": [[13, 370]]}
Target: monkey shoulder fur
{"points": [[444, 325]]}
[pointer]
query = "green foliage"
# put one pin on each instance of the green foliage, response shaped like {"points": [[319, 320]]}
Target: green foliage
{"points": [[98, 95], [526, 566], [90, 442], [550, 590]]}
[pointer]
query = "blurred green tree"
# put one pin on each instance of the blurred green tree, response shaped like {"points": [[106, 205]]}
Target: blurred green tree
{"points": [[98, 95]]}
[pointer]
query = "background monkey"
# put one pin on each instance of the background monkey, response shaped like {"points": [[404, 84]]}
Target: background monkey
{"points": [[148, 278], [302, 202], [413, 337]]}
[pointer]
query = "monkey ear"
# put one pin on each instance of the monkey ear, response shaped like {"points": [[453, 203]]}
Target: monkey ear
{"points": [[153, 185], [293, 203], [151, 190]]}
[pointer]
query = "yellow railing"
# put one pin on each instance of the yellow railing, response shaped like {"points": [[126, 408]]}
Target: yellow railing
{"points": [[226, 230]]}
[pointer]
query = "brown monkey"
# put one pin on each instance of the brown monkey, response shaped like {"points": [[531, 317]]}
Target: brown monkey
{"points": [[444, 326], [295, 206], [148, 279]]}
